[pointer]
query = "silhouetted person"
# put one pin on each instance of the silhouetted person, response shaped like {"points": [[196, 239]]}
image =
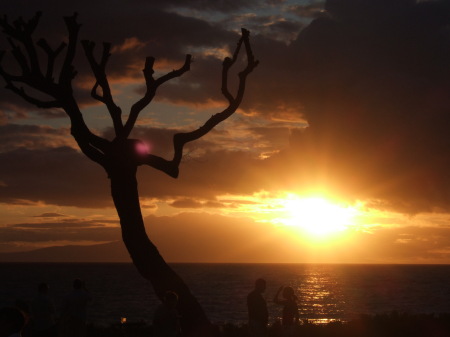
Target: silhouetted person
{"points": [[290, 309], [12, 322], [166, 321], [43, 313], [73, 314], [258, 316]]}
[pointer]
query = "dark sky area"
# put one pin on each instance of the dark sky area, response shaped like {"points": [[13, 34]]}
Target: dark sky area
{"points": [[351, 96]]}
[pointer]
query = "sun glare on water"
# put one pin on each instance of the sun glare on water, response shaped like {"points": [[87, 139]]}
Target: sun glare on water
{"points": [[317, 216]]}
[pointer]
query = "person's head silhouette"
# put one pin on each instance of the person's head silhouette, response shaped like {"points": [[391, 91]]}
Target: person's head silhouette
{"points": [[260, 285], [288, 293], [11, 321]]}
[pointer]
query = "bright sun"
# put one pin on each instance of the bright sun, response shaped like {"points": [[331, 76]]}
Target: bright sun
{"points": [[317, 216]]}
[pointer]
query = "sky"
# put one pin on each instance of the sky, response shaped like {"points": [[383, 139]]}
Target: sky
{"points": [[339, 153]]}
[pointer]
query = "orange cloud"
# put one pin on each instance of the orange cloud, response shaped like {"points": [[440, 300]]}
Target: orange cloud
{"points": [[130, 43]]}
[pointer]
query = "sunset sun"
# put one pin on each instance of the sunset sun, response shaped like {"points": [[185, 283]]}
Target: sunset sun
{"points": [[317, 216]]}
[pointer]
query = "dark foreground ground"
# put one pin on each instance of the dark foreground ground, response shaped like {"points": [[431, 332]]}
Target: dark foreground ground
{"points": [[387, 325]]}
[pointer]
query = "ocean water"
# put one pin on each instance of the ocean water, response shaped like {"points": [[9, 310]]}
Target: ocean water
{"points": [[325, 292]]}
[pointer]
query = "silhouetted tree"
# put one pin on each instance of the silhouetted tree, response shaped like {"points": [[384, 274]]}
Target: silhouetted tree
{"points": [[118, 157]]}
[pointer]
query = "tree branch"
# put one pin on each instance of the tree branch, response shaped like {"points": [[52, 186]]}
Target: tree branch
{"points": [[68, 72], [51, 56], [29, 63], [180, 139], [20, 57], [21, 31], [226, 65], [151, 87], [37, 102], [167, 166], [99, 70]]}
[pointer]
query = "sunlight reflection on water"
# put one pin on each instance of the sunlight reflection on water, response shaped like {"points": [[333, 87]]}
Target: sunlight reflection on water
{"points": [[325, 292], [320, 294]]}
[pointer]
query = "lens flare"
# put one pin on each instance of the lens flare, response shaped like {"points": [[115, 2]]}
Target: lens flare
{"points": [[142, 148]]}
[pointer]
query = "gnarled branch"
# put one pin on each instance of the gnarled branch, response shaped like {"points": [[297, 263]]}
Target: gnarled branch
{"points": [[180, 139], [51, 56], [151, 86], [68, 72], [99, 70], [37, 102], [21, 31], [31, 76]]}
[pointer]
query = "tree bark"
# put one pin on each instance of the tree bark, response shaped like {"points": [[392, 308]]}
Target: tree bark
{"points": [[146, 257]]}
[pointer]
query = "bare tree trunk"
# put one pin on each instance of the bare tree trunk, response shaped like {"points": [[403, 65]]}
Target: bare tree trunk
{"points": [[147, 258], [119, 157]]}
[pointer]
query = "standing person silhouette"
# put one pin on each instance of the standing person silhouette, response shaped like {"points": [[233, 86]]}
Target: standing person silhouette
{"points": [[258, 315], [12, 322], [43, 313], [73, 314], [290, 309]]}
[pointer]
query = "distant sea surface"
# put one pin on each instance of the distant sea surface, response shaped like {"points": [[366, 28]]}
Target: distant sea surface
{"points": [[325, 292]]}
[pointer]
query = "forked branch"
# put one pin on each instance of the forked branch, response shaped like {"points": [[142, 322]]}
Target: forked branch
{"points": [[68, 72], [21, 32], [151, 87], [60, 91], [99, 70], [51, 56], [180, 139]]}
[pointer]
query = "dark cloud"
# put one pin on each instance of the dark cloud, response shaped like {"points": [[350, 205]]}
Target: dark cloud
{"points": [[275, 2], [224, 6], [199, 86], [77, 230], [370, 77], [13, 136], [272, 88], [275, 133], [166, 35], [59, 176], [52, 225], [213, 174], [45, 172], [312, 10], [186, 203], [78, 223], [162, 34], [50, 215], [63, 176], [281, 30], [373, 78], [51, 114], [406, 244]]}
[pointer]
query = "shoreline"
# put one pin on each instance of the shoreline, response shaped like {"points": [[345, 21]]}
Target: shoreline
{"points": [[393, 324]]}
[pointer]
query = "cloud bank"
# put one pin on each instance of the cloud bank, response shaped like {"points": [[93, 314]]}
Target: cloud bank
{"points": [[351, 96]]}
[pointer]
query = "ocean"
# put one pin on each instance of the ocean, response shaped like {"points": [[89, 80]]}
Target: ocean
{"points": [[325, 292]]}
